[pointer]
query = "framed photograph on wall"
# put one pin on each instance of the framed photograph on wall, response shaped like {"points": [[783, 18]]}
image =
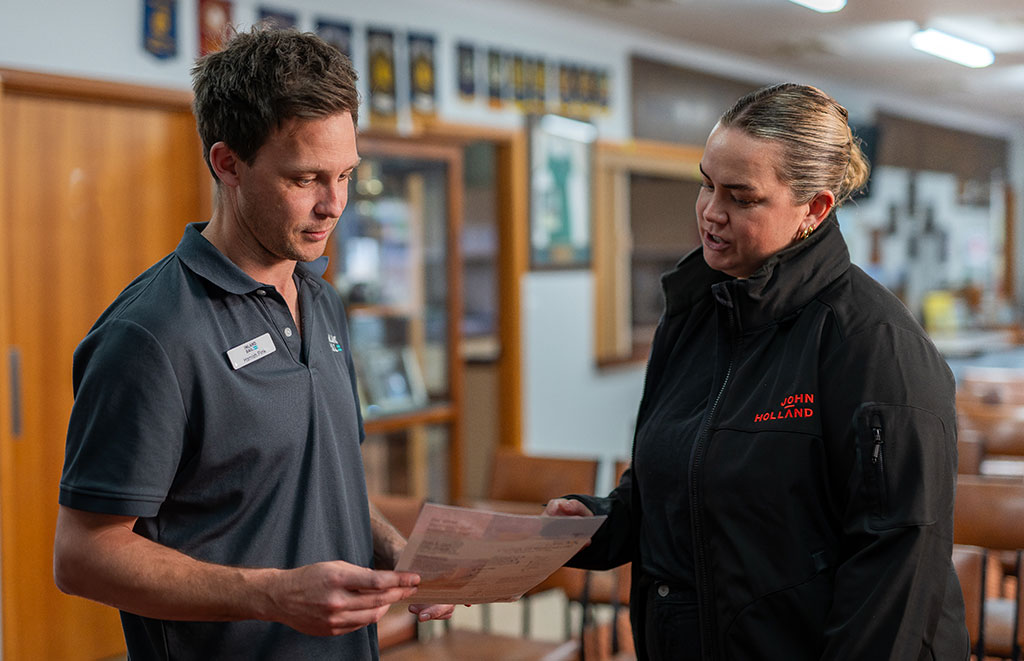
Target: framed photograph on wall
{"points": [[560, 186], [390, 379]]}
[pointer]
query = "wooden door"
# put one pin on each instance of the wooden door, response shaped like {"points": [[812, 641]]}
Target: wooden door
{"points": [[98, 181]]}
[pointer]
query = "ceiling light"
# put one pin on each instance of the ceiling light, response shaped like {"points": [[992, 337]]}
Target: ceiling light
{"points": [[824, 6], [938, 43]]}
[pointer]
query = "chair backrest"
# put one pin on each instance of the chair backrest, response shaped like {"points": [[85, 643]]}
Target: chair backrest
{"points": [[969, 562], [993, 385], [1001, 426], [970, 451], [989, 512], [536, 479], [401, 511]]}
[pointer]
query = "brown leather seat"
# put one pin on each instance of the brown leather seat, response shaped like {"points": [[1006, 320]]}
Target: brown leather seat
{"points": [[989, 514]]}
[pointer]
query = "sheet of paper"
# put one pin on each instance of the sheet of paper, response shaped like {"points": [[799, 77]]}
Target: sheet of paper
{"points": [[466, 556]]}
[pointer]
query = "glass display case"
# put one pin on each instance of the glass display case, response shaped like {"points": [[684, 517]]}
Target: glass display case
{"points": [[396, 263]]}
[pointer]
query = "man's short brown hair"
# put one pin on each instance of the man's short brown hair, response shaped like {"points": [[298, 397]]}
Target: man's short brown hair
{"points": [[264, 77]]}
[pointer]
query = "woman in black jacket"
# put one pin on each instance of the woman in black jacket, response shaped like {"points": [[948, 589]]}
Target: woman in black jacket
{"points": [[791, 490]]}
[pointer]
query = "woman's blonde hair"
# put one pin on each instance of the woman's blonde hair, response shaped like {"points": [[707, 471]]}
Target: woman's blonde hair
{"points": [[819, 150]]}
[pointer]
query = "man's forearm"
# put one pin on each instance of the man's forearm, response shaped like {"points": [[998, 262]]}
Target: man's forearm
{"points": [[109, 563], [99, 557]]}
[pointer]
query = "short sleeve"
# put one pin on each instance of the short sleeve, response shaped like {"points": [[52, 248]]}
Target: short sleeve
{"points": [[128, 426]]}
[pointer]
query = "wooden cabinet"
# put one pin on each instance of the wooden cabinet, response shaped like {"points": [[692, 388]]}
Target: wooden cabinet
{"points": [[97, 181], [396, 261]]}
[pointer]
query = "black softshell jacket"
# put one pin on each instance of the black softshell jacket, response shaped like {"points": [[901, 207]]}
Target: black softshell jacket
{"points": [[822, 482]]}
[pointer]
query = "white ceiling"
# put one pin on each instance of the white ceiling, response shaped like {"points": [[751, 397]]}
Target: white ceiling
{"points": [[865, 45]]}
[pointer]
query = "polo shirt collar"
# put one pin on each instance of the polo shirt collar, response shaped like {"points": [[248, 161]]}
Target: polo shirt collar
{"points": [[203, 259]]}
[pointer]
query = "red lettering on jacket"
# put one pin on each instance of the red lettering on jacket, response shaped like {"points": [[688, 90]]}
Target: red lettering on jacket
{"points": [[788, 408]]}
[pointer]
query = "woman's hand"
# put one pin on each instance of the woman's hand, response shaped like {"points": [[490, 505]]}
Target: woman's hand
{"points": [[566, 507]]}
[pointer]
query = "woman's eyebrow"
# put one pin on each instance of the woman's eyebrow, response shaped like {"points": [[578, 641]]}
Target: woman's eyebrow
{"points": [[745, 187]]}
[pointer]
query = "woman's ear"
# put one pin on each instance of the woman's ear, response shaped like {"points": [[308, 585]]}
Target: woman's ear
{"points": [[224, 162], [817, 210]]}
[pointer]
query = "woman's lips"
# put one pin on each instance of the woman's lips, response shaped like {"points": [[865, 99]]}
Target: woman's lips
{"points": [[714, 242]]}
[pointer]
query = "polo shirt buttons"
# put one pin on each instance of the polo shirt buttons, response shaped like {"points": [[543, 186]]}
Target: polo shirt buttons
{"points": [[662, 590], [261, 292], [287, 332]]}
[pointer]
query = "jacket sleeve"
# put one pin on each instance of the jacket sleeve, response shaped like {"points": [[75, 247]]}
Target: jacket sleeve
{"points": [[889, 428], [612, 544]]}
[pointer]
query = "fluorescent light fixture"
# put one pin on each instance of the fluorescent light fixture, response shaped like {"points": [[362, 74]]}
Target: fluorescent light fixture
{"points": [[938, 43], [823, 6]]}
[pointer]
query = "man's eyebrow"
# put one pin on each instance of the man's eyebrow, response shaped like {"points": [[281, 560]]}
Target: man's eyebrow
{"points": [[746, 187]]}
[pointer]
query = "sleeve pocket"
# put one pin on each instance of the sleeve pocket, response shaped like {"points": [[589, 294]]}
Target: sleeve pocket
{"points": [[903, 459]]}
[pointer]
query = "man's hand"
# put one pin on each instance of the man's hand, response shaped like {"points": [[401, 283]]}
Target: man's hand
{"points": [[566, 507], [333, 598]]}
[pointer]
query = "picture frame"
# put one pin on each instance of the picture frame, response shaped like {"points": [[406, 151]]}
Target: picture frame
{"points": [[390, 380], [561, 153]]}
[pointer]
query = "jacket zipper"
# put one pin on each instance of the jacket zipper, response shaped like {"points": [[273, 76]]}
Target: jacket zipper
{"points": [[878, 461], [709, 644]]}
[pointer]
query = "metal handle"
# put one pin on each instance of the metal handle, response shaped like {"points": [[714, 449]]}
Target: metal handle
{"points": [[14, 359]]}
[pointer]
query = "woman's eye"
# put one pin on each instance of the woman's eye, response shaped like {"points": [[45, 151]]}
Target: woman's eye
{"points": [[742, 202]]}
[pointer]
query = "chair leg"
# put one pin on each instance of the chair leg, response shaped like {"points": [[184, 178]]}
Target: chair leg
{"points": [[980, 651], [525, 601], [585, 615], [1016, 611]]}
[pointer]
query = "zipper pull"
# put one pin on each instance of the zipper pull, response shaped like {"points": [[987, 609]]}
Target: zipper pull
{"points": [[876, 453]]}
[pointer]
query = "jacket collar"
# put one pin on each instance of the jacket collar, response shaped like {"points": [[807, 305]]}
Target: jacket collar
{"points": [[203, 259], [785, 283]]}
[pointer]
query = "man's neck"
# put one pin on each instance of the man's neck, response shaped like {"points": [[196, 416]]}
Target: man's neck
{"points": [[226, 238]]}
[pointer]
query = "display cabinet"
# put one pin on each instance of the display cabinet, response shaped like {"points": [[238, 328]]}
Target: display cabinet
{"points": [[396, 262]]}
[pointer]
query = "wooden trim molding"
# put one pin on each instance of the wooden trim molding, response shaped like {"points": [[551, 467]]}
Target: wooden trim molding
{"points": [[613, 239], [51, 85]]}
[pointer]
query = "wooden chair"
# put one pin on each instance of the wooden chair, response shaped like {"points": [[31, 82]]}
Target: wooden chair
{"points": [[534, 479], [609, 588], [398, 632], [398, 625], [988, 515], [1000, 430], [992, 385]]}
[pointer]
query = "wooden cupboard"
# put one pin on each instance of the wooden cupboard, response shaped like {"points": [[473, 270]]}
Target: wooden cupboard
{"points": [[98, 180]]}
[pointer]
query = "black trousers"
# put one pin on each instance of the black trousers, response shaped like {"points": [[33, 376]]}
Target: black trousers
{"points": [[672, 631]]}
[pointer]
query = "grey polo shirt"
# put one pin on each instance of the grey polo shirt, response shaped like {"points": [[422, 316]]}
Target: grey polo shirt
{"points": [[200, 410]]}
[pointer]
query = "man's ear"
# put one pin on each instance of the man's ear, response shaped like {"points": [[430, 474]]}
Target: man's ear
{"points": [[224, 162]]}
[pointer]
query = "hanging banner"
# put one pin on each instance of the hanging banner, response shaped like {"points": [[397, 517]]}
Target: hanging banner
{"points": [[277, 20], [214, 23], [495, 79], [336, 34], [540, 84], [422, 93], [380, 46], [160, 27], [466, 57]]}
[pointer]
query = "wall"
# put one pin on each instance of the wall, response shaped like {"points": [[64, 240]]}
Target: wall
{"points": [[570, 407]]}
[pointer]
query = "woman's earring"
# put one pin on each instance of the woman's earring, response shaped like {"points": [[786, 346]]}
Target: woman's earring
{"points": [[807, 231]]}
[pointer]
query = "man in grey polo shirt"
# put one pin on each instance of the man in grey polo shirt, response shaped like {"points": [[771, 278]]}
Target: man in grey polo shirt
{"points": [[213, 488]]}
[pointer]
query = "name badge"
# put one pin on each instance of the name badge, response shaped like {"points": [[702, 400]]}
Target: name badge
{"points": [[251, 351]]}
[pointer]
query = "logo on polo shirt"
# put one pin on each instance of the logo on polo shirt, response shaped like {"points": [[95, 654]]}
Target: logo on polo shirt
{"points": [[793, 406], [333, 341]]}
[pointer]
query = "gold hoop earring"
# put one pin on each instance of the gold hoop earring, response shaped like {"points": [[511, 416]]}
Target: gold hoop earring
{"points": [[807, 231]]}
